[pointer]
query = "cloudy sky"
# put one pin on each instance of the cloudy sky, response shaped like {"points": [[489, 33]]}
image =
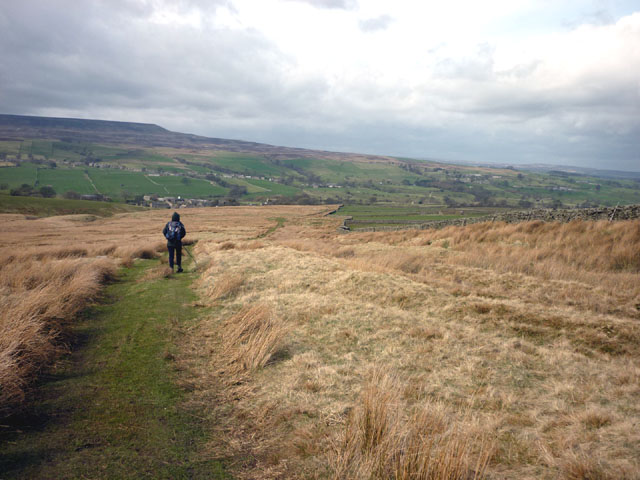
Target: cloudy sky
{"points": [[517, 81]]}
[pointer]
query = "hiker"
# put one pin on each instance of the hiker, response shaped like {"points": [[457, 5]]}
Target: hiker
{"points": [[174, 232]]}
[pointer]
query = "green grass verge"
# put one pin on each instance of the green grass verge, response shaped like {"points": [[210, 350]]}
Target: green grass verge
{"points": [[112, 409]]}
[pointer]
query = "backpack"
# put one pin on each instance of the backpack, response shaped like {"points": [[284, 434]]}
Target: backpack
{"points": [[173, 232]]}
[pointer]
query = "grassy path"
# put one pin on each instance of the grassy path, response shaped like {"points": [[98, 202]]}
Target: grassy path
{"points": [[112, 409]]}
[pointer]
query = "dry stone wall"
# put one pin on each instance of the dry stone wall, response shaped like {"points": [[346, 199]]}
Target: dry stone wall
{"points": [[627, 212]]}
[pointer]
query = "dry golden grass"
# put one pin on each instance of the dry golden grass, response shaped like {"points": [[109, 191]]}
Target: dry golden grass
{"points": [[381, 441], [161, 271], [527, 335], [224, 285], [54, 266], [249, 339], [38, 295]]}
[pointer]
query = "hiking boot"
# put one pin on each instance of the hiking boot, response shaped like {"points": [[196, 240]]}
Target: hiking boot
{"points": [[179, 269]]}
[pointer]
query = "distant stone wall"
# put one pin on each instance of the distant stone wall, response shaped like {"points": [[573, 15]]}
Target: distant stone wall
{"points": [[627, 212]]}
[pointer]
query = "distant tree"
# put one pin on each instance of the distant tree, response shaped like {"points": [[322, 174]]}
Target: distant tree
{"points": [[304, 199], [450, 202], [288, 180], [127, 195], [185, 180], [598, 187], [47, 191], [22, 191], [4, 186], [237, 191]]}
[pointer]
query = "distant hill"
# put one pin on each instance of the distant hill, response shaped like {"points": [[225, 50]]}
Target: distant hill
{"points": [[547, 168], [128, 161], [594, 172], [18, 127], [22, 122]]}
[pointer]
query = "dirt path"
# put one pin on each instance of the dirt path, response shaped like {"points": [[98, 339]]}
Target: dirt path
{"points": [[91, 182], [112, 409]]}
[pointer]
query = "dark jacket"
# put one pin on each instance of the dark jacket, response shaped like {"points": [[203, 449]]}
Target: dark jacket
{"points": [[175, 219]]}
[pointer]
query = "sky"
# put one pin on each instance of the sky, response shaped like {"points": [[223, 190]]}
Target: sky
{"points": [[497, 81]]}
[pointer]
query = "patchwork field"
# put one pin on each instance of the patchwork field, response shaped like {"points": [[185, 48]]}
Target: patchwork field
{"points": [[487, 351], [129, 167]]}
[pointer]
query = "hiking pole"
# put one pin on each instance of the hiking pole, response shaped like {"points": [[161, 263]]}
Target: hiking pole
{"points": [[192, 257]]}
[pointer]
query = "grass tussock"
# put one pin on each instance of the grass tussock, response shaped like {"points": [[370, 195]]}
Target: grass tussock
{"points": [[38, 297], [224, 286], [382, 441], [161, 271], [583, 467], [250, 338], [128, 253]]}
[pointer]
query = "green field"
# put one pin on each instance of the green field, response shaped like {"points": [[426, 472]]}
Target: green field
{"points": [[16, 176], [116, 183], [193, 188], [46, 207], [246, 164], [272, 188], [365, 216], [10, 147], [65, 180]]}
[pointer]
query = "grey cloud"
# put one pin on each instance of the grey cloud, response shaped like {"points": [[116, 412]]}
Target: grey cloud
{"points": [[375, 24], [118, 62], [93, 60]]}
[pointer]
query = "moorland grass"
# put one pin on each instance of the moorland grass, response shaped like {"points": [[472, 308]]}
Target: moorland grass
{"points": [[512, 349]]}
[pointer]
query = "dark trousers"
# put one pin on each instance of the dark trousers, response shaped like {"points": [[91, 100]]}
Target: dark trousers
{"points": [[178, 250]]}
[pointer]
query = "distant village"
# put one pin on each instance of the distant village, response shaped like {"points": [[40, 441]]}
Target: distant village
{"points": [[179, 202], [153, 201]]}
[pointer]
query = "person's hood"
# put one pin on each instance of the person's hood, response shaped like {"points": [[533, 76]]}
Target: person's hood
{"points": [[175, 217]]}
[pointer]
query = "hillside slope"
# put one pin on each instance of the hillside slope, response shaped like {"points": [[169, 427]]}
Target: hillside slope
{"points": [[126, 161]]}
